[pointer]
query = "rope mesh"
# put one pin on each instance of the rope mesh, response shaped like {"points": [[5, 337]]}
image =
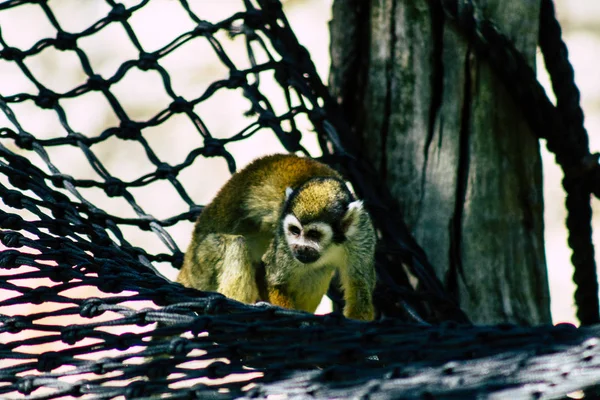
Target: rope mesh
{"points": [[71, 259]]}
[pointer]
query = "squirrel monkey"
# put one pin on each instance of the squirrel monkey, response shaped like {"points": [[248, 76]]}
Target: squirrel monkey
{"points": [[277, 232]]}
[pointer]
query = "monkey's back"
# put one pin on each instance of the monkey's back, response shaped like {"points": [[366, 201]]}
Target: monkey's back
{"points": [[251, 200]]}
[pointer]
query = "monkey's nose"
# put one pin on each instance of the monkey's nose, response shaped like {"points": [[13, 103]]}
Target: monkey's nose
{"points": [[306, 255]]}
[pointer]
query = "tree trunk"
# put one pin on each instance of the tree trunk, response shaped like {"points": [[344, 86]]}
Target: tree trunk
{"points": [[451, 145]]}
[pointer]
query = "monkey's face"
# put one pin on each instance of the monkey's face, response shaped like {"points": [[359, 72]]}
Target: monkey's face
{"points": [[318, 218], [307, 242]]}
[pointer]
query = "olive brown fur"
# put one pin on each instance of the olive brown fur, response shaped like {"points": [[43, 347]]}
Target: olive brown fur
{"points": [[277, 231]]}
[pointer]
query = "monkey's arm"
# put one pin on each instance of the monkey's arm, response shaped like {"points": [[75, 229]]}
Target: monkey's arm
{"points": [[278, 276], [358, 276]]}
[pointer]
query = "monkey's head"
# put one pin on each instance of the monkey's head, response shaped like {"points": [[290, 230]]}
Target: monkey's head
{"points": [[317, 217]]}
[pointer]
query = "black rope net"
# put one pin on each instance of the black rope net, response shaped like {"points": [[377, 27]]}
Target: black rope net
{"points": [[105, 324]]}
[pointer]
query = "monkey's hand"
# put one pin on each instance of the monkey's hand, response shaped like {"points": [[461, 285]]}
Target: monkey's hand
{"points": [[359, 304], [277, 279], [279, 297]]}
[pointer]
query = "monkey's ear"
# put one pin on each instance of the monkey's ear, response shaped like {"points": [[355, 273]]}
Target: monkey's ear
{"points": [[350, 219], [288, 192]]}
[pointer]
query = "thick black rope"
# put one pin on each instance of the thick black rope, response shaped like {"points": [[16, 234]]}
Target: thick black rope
{"points": [[578, 181]]}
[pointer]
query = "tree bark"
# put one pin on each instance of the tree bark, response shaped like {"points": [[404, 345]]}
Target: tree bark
{"points": [[451, 145]]}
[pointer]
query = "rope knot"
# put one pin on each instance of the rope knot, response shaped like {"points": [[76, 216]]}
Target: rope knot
{"points": [[11, 239], [11, 54], [72, 334], [114, 187], [119, 13], [25, 141], [48, 361], [91, 307], [46, 99], [97, 82], [212, 147], [147, 61], [129, 130], [65, 41]]}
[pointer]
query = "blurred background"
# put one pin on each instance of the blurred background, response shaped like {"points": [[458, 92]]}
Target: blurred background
{"points": [[193, 67], [580, 21]]}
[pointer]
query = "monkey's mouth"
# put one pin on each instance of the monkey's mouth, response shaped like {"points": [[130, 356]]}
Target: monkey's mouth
{"points": [[306, 256]]}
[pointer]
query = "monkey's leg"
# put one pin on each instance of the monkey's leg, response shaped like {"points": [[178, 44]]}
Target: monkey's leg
{"points": [[235, 273], [220, 262]]}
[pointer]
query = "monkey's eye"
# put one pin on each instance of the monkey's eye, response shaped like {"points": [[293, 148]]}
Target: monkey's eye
{"points": [[294, 230], [313, 235]]}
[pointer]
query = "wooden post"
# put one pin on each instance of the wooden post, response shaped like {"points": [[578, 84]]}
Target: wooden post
{"points": [[450, 143]]}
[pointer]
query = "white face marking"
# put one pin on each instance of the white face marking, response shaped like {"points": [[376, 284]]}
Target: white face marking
{"points": [[350, 220], [315, 235], [288, 192], [319, 233], [291, 225]]}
